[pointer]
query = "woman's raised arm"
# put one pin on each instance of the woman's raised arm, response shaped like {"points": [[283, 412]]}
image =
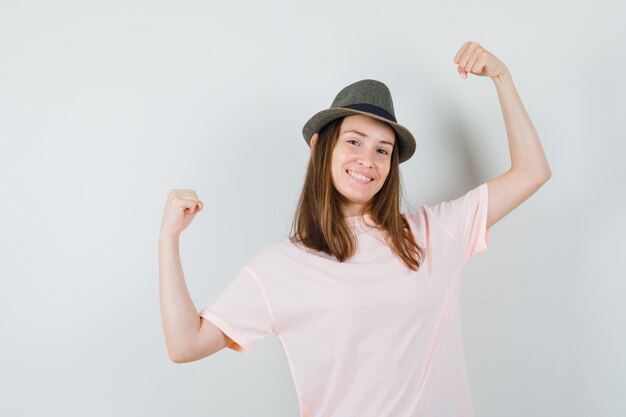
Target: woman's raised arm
{"points": [[186, 336], [529, 165]]}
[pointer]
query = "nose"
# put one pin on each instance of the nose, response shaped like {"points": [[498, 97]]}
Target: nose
{"points": [[365, 159]]}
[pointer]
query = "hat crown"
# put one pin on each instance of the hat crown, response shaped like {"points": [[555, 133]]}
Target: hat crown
{"points": [[368, 91]]}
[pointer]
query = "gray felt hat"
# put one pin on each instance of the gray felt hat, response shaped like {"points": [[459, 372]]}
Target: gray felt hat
{"points": [[367, 97]]}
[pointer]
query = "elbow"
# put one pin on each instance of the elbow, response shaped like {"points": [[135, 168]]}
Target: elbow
{"points": [[177, 357], [543, 176], [184, 357], [538, 175]]}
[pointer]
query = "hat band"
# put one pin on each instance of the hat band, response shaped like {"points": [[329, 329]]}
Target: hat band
{"points": [[370, 108]]}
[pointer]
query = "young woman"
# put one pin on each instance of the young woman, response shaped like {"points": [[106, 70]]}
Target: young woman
{"points": [[363, 298]]}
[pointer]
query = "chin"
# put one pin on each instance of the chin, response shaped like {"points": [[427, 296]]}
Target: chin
{"points": [[356, 199]]}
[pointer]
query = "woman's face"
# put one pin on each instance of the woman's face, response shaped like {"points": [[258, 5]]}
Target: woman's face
{"points": [[361, 160]]}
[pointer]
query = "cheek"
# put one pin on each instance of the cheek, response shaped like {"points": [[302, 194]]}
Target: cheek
{"points": [[335, 171], [384, 169], [338, 161]]}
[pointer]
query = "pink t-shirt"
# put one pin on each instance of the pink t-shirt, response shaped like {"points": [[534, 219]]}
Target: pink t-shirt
{"points": [[367, 337]]}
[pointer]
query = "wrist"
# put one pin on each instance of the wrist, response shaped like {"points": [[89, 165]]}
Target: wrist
{"points": [[503, 76], [168, 238]]}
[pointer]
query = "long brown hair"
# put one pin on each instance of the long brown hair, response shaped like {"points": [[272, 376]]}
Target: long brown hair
{"points": [[318, 222]]}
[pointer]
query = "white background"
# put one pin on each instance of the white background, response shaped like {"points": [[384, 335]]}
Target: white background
{"points": [[105, 106]]}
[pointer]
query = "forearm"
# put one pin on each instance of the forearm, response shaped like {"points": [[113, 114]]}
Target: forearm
{"points": [[180, 318], [524, 144]]}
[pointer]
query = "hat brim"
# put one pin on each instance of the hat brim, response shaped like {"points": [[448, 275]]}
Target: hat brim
{"points": [[406, 145]]}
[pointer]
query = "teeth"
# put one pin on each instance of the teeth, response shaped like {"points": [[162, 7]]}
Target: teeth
{"points": [[358, 176]]}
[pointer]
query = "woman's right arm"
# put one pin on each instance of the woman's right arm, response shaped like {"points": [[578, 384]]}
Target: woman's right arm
{"points": [[187, 335]]}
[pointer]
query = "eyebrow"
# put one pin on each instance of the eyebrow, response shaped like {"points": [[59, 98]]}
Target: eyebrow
{"points": [[363, 134]]}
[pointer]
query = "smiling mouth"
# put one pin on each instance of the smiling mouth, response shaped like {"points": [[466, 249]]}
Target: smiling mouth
{"points": [[359, 178]]}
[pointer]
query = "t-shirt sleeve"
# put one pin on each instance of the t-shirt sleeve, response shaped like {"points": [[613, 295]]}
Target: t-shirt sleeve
{"points": [[465, 219], [241, 311]]}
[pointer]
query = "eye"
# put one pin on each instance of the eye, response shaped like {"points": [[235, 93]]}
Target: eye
{"points": [[384, 150], [352, 140]]}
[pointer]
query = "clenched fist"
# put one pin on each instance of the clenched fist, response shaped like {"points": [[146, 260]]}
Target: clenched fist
{"points": [[473, 58], [181, 206]]}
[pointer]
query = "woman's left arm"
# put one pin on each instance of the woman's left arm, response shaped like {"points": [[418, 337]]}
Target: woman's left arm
{"points": [[529, 166]]}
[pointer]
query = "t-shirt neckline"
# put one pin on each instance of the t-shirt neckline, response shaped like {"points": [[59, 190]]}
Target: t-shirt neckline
{"points": [[364, 220]]}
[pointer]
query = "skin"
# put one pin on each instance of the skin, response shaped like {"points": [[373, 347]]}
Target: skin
{"points": [[366, 154]]}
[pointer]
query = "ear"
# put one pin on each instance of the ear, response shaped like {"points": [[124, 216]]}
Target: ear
{"points": [[313, 140]]}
